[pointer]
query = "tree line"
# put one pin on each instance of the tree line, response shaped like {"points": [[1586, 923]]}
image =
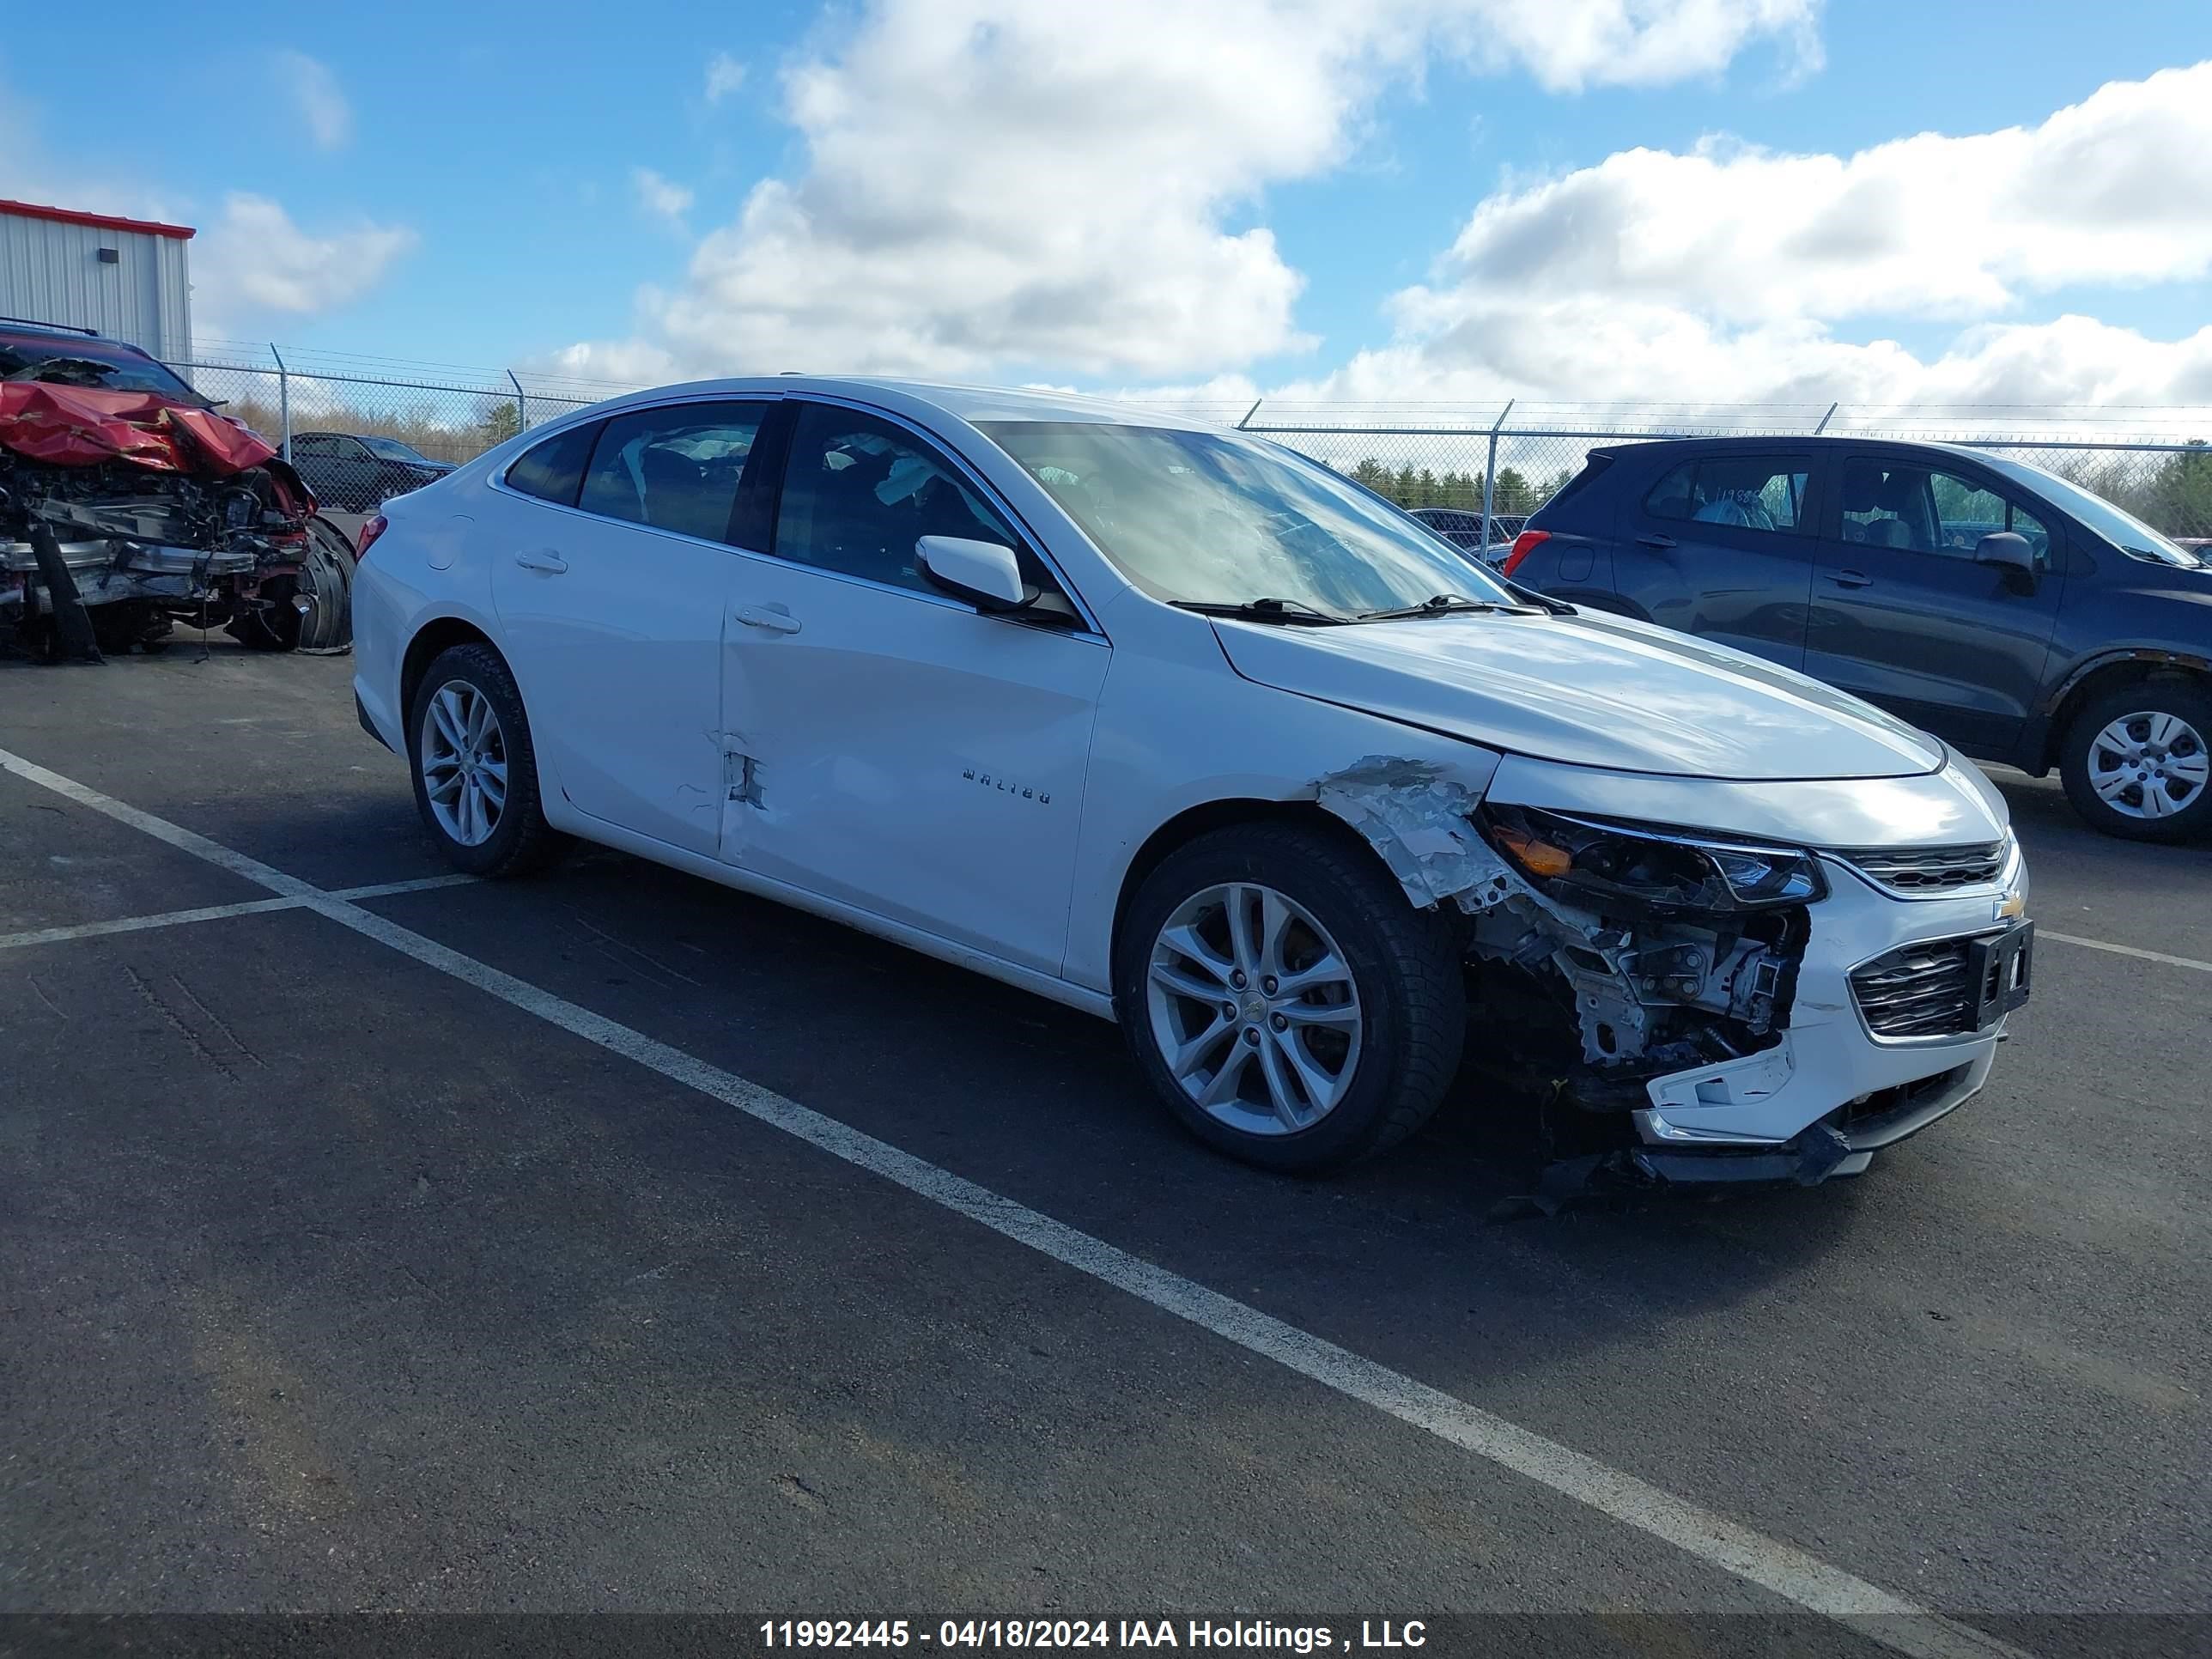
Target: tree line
{"points": [[1423, 487]]}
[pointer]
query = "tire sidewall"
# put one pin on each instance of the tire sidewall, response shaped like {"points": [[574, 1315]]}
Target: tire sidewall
{"points": [[2187, 700], [465, 666], [1278, 860]]}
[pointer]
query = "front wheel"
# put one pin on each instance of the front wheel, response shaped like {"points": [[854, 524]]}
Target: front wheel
{"points": [[2138, 761], [475, 773], [1285, 1000]]}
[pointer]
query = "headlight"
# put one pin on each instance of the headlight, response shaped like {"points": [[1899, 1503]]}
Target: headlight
{"points": [[1594, 863]]}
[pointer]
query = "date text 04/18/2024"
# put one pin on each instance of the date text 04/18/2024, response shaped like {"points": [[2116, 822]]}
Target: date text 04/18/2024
{"points": [[1250, 1635]]}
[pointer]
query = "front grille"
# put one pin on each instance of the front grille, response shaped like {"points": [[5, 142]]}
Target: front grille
{"points": [[1920, 990], [1929, 872]]}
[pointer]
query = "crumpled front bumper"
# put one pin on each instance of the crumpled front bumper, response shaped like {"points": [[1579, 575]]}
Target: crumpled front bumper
{"points": [[1827, 1096], [105, 571]]}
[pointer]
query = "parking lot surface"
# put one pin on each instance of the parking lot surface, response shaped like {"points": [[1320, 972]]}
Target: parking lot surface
{"points": [[615, 1242]]}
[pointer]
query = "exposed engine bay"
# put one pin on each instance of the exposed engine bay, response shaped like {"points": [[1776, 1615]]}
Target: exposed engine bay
{"points": [[122, 513], [1622, 955]]}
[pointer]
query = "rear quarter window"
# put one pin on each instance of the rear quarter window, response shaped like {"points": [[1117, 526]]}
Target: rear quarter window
{"points": [[554, 471], [1750, 492]]}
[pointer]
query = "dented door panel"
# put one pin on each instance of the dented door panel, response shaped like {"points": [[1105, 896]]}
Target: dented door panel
{"points": [[895, 751], [620, 650]]}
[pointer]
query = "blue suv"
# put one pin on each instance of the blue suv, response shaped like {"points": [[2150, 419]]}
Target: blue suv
{"points": [[2014, 614]]}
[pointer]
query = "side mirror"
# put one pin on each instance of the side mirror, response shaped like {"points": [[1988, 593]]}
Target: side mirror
{"points": [[985, 573], [2008, 550]]}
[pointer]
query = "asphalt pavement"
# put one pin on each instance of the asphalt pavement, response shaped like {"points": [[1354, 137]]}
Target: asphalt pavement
{"points": [[505, 1248]]}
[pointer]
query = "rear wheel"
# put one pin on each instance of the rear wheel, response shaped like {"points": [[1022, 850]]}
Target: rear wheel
{"points": [[476, 772], [1285, 999], [2138, 761]]}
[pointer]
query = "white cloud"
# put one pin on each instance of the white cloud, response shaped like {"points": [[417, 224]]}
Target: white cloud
{"points": [[315, 94], [1734, 276], [253, 260], [662, 197], [2111, 190], [986, 188], [725, 75], [256, 260]]}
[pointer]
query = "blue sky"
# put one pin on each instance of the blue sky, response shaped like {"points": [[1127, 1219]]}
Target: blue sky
{"points": [[495, 149]]}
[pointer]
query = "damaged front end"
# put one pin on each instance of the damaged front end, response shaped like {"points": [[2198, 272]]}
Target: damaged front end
{"points": [[1602, 956], [123, 511]]}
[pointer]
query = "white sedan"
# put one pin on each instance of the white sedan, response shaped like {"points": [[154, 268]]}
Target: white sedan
{"points": [[1182, 729]]}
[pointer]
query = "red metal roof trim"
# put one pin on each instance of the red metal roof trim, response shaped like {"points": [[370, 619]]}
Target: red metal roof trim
{"points": [[98, 220]]}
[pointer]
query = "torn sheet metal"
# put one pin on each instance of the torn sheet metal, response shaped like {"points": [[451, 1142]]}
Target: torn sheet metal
{"points": [[83, 426], [1422, 823]]}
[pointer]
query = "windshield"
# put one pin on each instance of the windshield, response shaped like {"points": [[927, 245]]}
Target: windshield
{"points": [[1215, 519], [2123, 529], [391, 449], [78, 360]]}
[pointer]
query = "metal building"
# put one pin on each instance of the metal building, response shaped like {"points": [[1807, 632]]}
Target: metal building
{"points": [[127, 278]]}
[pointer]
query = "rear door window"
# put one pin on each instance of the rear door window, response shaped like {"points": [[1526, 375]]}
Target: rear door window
{"points": [[675, 468], [1749, 492], [554, 471]]}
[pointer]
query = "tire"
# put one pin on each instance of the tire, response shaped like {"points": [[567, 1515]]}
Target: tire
{"points": [[518, 840], [1389, 1056], [326, 576], [2162, 724]]}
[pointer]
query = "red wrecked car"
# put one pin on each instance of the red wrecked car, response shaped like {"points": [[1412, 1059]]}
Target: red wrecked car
{"points": [[129, 503]]}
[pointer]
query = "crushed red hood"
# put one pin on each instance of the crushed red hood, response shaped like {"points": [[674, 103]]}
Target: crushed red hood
{"points": [[83, 426]]}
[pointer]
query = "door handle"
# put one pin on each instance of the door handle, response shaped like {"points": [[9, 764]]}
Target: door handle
{"points": [[1657, 541], [544, 559], [774, 618], [1851, 579]]}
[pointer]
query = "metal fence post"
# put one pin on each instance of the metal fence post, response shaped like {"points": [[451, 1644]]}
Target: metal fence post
{"points": [[283, 402], [1826, 418], [1250, 413], [1490, 471], [522, 409]]}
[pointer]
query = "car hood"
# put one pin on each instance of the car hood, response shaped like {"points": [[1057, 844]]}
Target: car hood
{"points": [[1587, 689]]}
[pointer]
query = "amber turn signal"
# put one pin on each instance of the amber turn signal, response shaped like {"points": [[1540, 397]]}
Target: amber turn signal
{"points": [[1537, 857]]}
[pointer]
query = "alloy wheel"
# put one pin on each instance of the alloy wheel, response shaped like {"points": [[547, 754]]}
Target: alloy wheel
{"points": [[464, 763], [2149, 765], [1255, 1009]]}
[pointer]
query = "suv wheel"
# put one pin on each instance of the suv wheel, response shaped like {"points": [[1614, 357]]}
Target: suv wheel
{"points": [[1285, 1000], [2138, 761], [476, 774]]}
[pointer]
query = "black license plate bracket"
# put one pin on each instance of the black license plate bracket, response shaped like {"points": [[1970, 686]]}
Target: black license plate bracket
{"points": [[2001, 968]]}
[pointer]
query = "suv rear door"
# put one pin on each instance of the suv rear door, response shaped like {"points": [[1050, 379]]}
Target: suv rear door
{"points": [[1904, 616], [1719, 543]]}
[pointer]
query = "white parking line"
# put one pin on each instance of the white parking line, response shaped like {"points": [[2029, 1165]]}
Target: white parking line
{"points": [[2126, 951], [1784, 1570], [140, 924], [217, 912]]}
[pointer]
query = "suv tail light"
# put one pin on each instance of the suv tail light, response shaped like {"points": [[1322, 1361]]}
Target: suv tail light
{"points": [[370, 530], [1523, 545]]}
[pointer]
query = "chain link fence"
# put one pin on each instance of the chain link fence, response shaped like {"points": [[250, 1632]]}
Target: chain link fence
{"points": [[1501, 460], [284, 396]]}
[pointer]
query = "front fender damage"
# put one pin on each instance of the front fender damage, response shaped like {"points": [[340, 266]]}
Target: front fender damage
{"points": [[1596, 1004]]}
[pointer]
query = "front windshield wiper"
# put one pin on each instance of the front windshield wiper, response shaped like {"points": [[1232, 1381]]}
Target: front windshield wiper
{"points": [[1293, 612], [1440, 604]]}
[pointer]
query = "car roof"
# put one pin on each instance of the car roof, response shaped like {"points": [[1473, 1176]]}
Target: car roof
{"points": [[92, 345], [1761, 442], [971, 403]]}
